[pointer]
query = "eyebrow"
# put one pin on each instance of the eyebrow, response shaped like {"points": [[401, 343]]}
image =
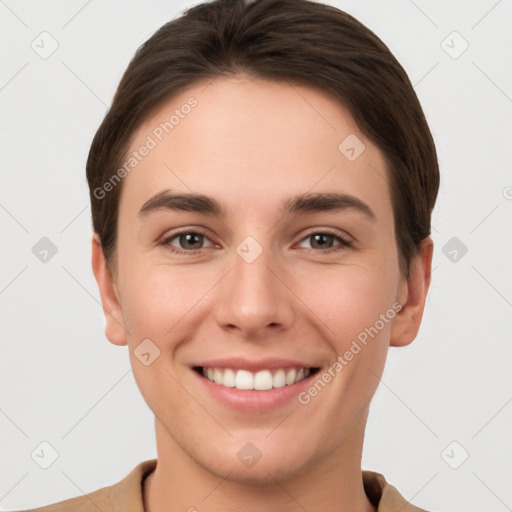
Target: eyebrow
{"points": [[302, 203]]}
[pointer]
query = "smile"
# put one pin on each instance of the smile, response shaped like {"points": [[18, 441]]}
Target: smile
{"points": [[260, 381]]}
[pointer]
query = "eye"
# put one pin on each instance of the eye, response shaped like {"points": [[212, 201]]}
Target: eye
{"points": [[324, 240], [190, 241]]}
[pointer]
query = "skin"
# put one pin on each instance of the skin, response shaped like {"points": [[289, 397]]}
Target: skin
{"points": [[250, 144]]}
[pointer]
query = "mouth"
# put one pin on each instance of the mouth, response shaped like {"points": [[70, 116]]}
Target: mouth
{"points": [[261, 380]]}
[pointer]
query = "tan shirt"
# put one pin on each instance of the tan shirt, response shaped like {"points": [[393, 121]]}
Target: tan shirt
{"points": [[126, 495]]}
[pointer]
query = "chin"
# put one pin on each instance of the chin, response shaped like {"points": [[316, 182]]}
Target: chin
{"points": [[258, 464], [262, 473]]}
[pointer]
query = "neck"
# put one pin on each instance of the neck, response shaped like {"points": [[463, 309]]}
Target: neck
{"points": [[332, 482]]}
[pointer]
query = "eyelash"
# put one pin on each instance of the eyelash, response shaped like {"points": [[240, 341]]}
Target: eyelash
{"points": [[344, 244]]}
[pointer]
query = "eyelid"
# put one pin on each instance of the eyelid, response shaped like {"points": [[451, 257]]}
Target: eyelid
{"points": [[185, 230], [166, 239], [329, 231], [345, 241]]}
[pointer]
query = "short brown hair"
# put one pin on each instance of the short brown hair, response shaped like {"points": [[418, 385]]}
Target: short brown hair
{"points": [[298, 41]]}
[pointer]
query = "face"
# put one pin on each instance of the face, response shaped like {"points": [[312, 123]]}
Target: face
{"points": [[300, 302]]}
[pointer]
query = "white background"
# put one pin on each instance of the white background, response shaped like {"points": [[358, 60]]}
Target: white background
{"points": [[64, 383]]}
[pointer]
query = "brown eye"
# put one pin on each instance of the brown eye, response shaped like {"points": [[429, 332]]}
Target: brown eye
{"points": [[191, 240], [321, 241], [324, 241], [187, 242]]}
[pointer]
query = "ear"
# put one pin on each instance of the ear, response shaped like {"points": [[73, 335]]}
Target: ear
{"points": [[412, 296], [114, 329]]}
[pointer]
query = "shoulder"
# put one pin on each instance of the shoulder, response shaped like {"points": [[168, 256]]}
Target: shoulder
{"points": [[91, 502], [120, 497], [385, 496]]}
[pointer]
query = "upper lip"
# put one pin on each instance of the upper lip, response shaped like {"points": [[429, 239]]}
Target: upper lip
{"points": [[240, 363]]}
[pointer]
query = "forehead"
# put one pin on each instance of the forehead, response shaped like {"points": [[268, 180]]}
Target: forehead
{"points": [[235, 138]]}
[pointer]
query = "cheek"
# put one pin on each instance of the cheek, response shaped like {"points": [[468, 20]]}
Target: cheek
{"points": [[155, 299], [348, 300], [356, 312]]}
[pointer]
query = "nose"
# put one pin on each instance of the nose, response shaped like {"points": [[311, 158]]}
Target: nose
{"points": [[254, 298]]}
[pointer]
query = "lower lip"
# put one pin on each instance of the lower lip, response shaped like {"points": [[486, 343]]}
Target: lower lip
{"points": [[254, 400]]}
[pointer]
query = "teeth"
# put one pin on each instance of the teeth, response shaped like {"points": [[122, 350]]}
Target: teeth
{"points": [[229, 378], [290, 377], [263, 380], [218, 377], [279, 379], [260, 381], [244, 380]]}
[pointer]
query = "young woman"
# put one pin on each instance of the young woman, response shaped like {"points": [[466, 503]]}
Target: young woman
{"points": [[261, 192]]}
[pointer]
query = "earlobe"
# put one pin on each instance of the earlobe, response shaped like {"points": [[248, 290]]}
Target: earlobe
{"points": [[114, 328], [407, 322]]}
